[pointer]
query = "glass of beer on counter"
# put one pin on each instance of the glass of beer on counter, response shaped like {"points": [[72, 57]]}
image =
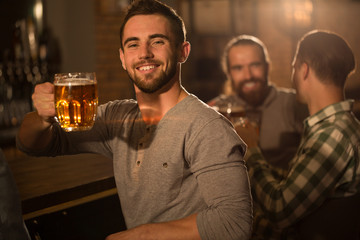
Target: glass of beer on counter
{"points": [[76, 100]]}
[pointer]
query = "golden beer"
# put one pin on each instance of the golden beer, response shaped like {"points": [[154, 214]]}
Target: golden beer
{"points": [[232, 112], [76, 102]]}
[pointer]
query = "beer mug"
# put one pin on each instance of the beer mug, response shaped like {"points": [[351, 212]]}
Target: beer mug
{"points": [[232, 112], [76, 100]]}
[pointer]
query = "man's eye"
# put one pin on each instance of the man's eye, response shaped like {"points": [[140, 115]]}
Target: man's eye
{"points": [[132, 45], [158, 42], [237, 68], [257, 65]]}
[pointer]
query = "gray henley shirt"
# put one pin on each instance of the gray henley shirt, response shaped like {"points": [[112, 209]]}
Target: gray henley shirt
{"points": [[190, 162]]}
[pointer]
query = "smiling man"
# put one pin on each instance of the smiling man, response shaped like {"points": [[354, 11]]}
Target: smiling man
{"points": [[140, 61], [279, 116], [178, 164]]}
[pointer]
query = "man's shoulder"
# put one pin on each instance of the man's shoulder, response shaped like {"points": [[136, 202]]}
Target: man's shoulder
{"points": [[194, 106], [347, 122], [280, 96], [339, 124], [118, 106], [122, 102], [285, 96], [286, 92], [196, 114]]}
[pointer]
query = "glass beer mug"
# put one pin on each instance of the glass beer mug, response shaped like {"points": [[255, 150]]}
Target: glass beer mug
{"points": [[76, 100]]}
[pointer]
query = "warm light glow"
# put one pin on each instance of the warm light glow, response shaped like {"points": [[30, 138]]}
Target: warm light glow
{"points": [[32, 39], [299, 12], [38, 10]]}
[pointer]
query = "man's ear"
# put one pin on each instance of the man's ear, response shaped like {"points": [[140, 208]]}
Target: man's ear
{"points": [[122, 59], [184, 52], [305, 70]]}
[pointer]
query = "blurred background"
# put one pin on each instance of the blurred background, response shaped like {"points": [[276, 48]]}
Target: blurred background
{"points": [[42, 37]]}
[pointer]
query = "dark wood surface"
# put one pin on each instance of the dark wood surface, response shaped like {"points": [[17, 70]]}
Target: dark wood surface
{"points": [[46, 181]]}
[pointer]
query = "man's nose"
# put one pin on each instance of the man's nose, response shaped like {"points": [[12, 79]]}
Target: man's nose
{"points": [[145, 52], [247, 73]]}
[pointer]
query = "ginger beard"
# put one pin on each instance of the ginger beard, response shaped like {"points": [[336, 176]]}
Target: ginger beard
{"points": [[252, 91]]}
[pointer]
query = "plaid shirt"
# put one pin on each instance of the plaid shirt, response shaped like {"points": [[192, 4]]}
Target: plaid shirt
{"points": [[326, 165]]}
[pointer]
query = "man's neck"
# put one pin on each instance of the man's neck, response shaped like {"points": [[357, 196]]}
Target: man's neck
{"points": [[323, 98], [154, 106]]}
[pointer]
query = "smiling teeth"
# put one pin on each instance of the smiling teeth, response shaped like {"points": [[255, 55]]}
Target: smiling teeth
{"points": [[250, 84], [145, 68]]}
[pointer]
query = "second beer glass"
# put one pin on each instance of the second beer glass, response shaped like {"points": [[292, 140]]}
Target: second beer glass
{"points": [[76, 100]]}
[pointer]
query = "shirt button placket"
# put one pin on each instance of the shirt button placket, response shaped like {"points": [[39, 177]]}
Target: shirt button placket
{"points": [[140, 146]]}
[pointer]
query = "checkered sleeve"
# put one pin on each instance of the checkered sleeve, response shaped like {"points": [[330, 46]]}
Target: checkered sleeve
{"points": [[313, 175]]}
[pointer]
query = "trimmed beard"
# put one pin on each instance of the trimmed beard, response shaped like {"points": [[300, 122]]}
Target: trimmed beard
{"points": [[253, 98], [157, 83]]}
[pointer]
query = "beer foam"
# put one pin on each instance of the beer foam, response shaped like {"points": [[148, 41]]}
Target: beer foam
{"points": [[74, 82]]}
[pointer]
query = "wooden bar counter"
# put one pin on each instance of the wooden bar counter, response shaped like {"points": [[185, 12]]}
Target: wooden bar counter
{"points": [[52, 185], [45, 182]]}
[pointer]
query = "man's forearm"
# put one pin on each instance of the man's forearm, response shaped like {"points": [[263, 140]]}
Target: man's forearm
{"points": [[185, 229], [34, 133]]}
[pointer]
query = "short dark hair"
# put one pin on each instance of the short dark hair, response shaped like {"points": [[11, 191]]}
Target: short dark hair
{"points": [[328, 54], [149, 7]]}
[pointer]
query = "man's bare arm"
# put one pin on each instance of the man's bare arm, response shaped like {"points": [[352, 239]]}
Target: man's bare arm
{"points": [[185, 228]]}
